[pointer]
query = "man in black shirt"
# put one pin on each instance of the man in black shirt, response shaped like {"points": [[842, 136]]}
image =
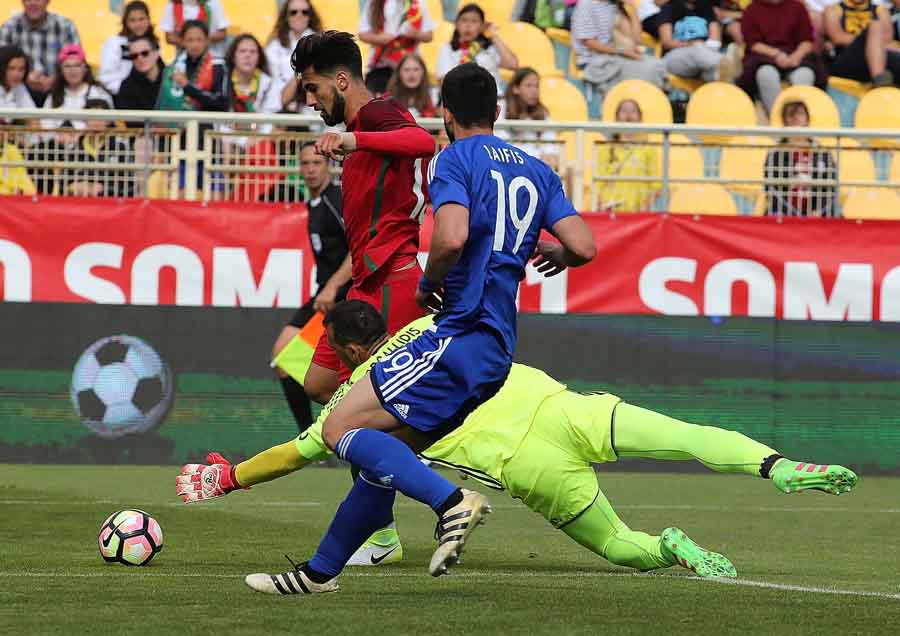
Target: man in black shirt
{"points": [[140, 90], [329, 244]]}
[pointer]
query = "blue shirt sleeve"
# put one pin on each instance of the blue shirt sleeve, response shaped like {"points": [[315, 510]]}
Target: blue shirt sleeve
{"points": [[558, 206], [447, 181]]}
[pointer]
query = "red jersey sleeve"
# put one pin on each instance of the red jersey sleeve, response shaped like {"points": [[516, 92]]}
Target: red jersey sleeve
{"points": [[387, 128]]}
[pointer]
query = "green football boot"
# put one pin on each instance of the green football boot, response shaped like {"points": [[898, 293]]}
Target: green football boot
{"points": [[791, 477], [679, 549]]}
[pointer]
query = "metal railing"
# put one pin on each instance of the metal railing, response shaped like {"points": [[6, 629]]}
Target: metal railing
{"points": [[618, 167]]}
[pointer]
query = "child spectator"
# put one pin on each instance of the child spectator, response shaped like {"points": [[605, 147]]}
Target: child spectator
{"points": [[197, 80], [14, 177], [603, 62], [523, 101], [792, 170], [691, 39], [296, 19], [627, 156], [13, 71], [96, 145], [72, 87], [860, 33], [252, 88], [115, 65], [474, 40], [410, 86], [140, 90], [780, 46], [393, 28], [41, 35], [210, 12]]}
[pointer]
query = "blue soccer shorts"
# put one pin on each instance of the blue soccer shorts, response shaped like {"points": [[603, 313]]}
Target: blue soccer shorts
{"points": [[436, 381]]}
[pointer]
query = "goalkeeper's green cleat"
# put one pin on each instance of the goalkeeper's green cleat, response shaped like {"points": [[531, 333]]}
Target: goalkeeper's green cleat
{"points": [[680, 550], [791, 477]]}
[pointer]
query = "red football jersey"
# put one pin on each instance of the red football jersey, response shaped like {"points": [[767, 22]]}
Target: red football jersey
{"points": [[383, 195]]}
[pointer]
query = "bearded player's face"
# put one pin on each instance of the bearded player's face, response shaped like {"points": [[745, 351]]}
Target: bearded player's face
{"points": [[322, 94]]}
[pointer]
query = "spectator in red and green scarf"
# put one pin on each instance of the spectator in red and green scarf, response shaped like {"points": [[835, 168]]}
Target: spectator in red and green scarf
{"points": [[210, 12], [251, 88], [196, 80]]}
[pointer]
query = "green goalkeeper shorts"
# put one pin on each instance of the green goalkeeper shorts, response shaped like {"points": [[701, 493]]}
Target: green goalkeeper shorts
{"points": [[551, 471]]}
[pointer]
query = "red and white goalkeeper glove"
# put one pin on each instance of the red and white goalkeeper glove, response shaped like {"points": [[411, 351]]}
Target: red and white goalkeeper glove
{"points": [[201, 482]]}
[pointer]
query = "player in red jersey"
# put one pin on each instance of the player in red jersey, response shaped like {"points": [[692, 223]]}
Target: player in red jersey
{"points": [[382, 183]]}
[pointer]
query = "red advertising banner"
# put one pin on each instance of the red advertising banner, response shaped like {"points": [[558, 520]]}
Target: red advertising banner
{"points": [[258, 255]]}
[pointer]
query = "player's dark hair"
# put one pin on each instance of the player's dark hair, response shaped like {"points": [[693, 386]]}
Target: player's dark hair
{"points": [[469, 92], [355, 322], [327, 52]]}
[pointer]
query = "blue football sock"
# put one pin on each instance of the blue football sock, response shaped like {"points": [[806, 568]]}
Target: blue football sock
{"points": [[393, 463], [367, 508]]}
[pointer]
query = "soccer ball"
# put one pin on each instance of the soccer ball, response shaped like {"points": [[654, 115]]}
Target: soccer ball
{"points": [[120, 385], [130, 537]]}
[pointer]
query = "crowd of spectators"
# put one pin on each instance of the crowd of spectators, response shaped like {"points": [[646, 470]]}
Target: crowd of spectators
{"points": [[761, 45]]}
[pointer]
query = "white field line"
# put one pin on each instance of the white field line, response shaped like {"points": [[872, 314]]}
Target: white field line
{"points": [[471, 574], [409, 504]]}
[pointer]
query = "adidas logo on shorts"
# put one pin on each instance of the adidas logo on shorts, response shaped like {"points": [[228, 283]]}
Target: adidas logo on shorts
{"points": [[402, 409]]}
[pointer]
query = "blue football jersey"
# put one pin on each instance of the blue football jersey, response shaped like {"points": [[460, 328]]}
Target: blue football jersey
{"points": [[511, 197]]}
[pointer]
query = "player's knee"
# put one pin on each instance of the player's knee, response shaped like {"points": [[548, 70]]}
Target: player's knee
{"points": [[332, 432]]}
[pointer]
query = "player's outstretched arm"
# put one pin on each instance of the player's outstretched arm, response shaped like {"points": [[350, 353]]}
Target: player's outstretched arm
{"points": [[202, 482]]}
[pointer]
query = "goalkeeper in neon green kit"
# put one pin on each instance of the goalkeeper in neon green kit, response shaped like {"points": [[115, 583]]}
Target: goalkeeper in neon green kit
{"points": [[537, 440]]}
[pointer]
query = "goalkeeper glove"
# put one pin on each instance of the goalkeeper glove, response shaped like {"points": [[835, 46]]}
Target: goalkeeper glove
{"points": [[201, 482]]}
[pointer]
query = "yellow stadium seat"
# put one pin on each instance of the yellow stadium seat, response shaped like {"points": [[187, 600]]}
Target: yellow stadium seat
{"points": [[443, 32], [849, 86], [9, 8], [560, 35], [720, 104], [95, 23], [879, 109], [706, 198], [531, 47], [894, 175], [248, 17], [685, 159], [745, 158], [497, 11], [822, 111], [872, 203], [654, 104], [563, 99], [342, 15], [686, 84], [435, 10]]}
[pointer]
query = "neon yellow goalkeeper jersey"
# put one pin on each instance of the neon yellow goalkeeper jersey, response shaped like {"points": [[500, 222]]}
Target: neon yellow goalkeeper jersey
{"points": [[485, 440]]}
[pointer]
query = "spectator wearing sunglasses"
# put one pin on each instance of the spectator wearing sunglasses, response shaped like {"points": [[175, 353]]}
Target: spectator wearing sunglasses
{"points": [[115, 63], [296, 19], [140, 90]]}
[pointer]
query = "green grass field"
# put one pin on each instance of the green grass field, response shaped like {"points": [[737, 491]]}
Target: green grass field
{"points": [[806, 562]]}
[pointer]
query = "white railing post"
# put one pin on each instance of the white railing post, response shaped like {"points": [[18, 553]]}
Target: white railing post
{"points": [[191, 157], [578, 179]]}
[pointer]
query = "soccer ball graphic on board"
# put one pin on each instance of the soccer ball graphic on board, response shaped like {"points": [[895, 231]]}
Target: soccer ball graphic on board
{"points": [[120, 385]]}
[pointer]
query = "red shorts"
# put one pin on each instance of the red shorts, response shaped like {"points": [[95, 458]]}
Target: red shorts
{"points": [[393, 295]]}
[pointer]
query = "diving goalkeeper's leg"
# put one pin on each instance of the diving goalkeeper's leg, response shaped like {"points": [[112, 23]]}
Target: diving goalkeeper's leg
{"points": [[601, 531], [638, 432]]}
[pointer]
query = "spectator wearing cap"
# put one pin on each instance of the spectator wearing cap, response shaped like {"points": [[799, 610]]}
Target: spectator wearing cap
{"points": [[210, 12], [73, 85], [780, 46], [140, 90], [42, 35], [115, 63]]}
